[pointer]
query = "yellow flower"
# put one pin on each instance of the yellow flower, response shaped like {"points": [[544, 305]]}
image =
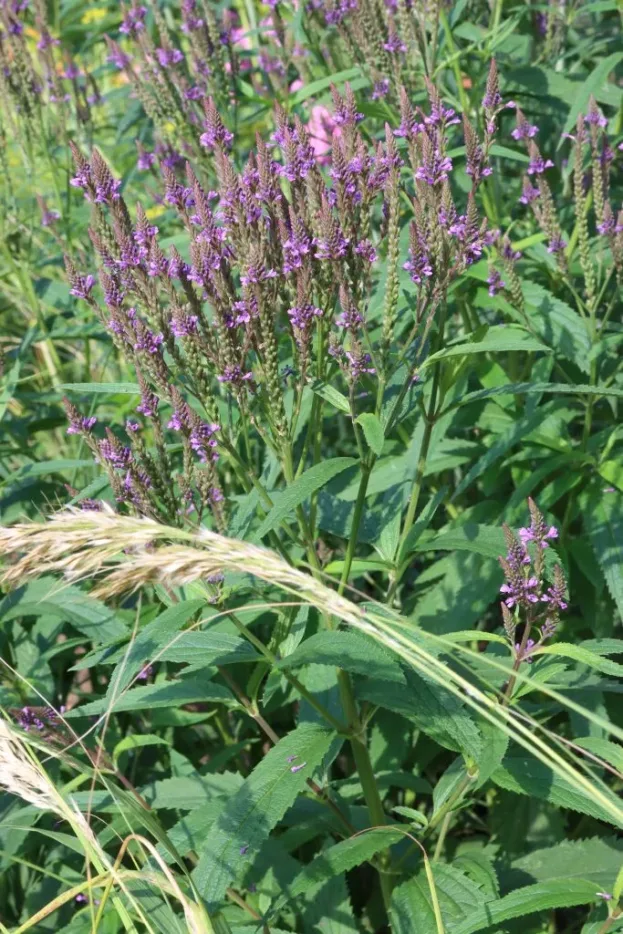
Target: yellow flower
{"points": [[155, 211], [92, 16]]}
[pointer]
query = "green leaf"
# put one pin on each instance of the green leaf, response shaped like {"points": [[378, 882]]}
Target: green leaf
{"points": [[495, 340], [137, 741], [49, 596], [557, 324], [603, 519], [608, 751], [161, 694], [422, 522], [321, 84], [457, 894], [258, 805], [148, 643], [128, 389], [592, 84], [434, 709], [595, 860], [330, 394], [299, 491], [582, 655], [209, 648], [538, 388], [373, 431], [337, 860], [559, 893], [415, 817], [350, 651], [522, 427], [528, 776], [45, 468]]}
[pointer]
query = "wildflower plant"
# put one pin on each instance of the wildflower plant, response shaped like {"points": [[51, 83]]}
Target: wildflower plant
{"points": [[311, 506]]}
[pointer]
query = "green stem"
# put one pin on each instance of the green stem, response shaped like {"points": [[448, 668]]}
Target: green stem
{"points": [[366, 470]]}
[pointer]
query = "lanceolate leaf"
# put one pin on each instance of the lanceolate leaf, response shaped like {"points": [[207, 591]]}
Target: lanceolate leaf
{"points": [[435, 711], [457, 894], [348, 650], [162, 694], [528, 776], [582, 655], [299, 491], [339, 859], [498, 339], [257, 807], [559, 893], [604, 521]]}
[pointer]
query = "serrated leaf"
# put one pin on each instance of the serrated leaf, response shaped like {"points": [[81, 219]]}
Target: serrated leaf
{"points": [[603, 519], [148, 643], [559, 893], [596, 860], [604, 748], [579, 654], [416, 817], [433, 708], [457, 894], [330, 394], [258, 805], [350, 651], [528, 776], [496, 339], [137, 741], [209, 648], [299, 491], [559, 325], [161, 694], [339, 859], [373, 431], [49, 596], [422, 522]]}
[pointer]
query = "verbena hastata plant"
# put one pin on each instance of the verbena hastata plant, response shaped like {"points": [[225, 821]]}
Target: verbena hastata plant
{"points": [[342, 562]]}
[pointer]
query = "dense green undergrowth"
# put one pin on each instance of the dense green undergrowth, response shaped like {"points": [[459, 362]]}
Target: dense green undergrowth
{"points": [[310, 467]]}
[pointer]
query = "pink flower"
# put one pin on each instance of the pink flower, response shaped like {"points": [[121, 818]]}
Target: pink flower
{"points": [[321, 128]]}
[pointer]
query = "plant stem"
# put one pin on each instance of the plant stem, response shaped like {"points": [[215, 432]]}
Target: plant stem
{"points": [[366, 470]]}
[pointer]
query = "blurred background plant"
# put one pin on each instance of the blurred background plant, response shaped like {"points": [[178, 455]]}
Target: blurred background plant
{"points": [[342, 279]]}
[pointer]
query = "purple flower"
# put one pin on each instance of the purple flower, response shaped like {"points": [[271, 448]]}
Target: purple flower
{"points": [[366, 250], [297, 768], [182, 324], [495, 282], [233, 373], [83, 424], [82, 178], [529, 193], [526, 653], [49, 217], [521, 591], [333, 247], [243, 849], [114, 453], [28, 719], [82, 286], [134, 20], [145, 673], [168, 57], [395, 45], [536, 533], [524, 130], [419, 268], [538, 164], [132, 427], [302, 316], [434, 168], [556, 245], [380, 89], [203, 442], [118, 57], [148, 405]]}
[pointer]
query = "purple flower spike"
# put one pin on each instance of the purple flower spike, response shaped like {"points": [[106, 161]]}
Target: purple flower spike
{"points": [[82, 286], [538, 165], [495, 282]]}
